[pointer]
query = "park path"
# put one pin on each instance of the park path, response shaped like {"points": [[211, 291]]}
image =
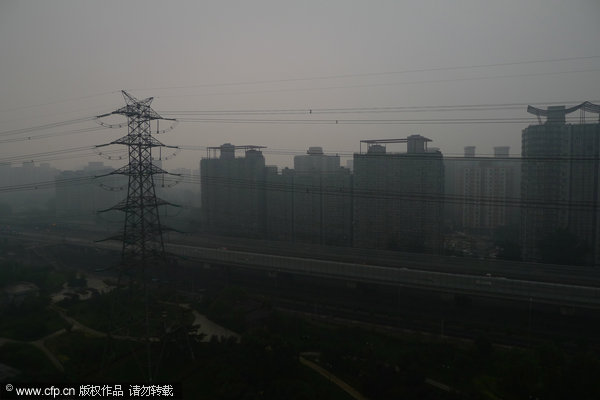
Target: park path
{"points": [[207, 327], [210, 328], [39, 344], [76, 325], [327, 374]]}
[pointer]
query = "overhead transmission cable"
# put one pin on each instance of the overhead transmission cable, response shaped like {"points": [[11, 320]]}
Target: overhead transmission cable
{"points": [[45, 126], [388, 84], [317, 189], [367, 74], [53, 155], [447, 156], [305, 189], [315, 78], [48, 184], [53, 134], [392, 109], [429, 121], [58, 101]]}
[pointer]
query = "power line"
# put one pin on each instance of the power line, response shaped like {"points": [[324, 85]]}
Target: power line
{"points": [[310, 112], [390, 194], [51, 135], [91, 150], [342, 76], [428, 121], [434, 108], [79, 111], [45, 126], [480, 158], [383, 84], [47, 184], [58, 101], [54, 155], [314, 78], [336, 191], [45, 153]]}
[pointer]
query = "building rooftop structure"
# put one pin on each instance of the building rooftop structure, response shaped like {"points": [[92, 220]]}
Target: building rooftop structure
{"points": [[415, 144], [316, 161], [557, 114], [227, 150]]}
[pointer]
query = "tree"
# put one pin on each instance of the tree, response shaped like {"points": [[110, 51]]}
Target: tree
{"points": [[563, 247], [5, 209], [506, 239]]}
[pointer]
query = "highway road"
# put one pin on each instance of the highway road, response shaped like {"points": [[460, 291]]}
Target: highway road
{"points": [[563, 274], [562, 285], [561, 294]]}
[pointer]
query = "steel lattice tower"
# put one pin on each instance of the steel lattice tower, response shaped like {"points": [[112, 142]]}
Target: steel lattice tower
{"points": [[142, 231]]}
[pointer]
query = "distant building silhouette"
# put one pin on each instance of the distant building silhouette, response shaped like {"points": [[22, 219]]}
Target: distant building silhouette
{"points": [[398, 197], [279, 197], [322, 203], [26, 174], [482, 193], [233, 195], [561, 180], [79, 196]]}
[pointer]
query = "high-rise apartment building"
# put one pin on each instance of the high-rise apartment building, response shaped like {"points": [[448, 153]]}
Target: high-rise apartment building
{"points": [[561, 180], [233, 195], [311, 203], [279, 197], [322, 203], [398, 197], [482, 192]]}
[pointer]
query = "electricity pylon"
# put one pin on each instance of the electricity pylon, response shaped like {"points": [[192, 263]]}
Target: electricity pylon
{"points": [[142, 239], [143, 245]]}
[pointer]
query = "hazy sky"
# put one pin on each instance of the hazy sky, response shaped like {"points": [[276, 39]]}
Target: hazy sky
{"points": [[62, 60]]}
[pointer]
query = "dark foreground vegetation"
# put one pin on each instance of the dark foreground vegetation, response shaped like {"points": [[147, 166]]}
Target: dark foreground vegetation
{"points": [[103, 339]]}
